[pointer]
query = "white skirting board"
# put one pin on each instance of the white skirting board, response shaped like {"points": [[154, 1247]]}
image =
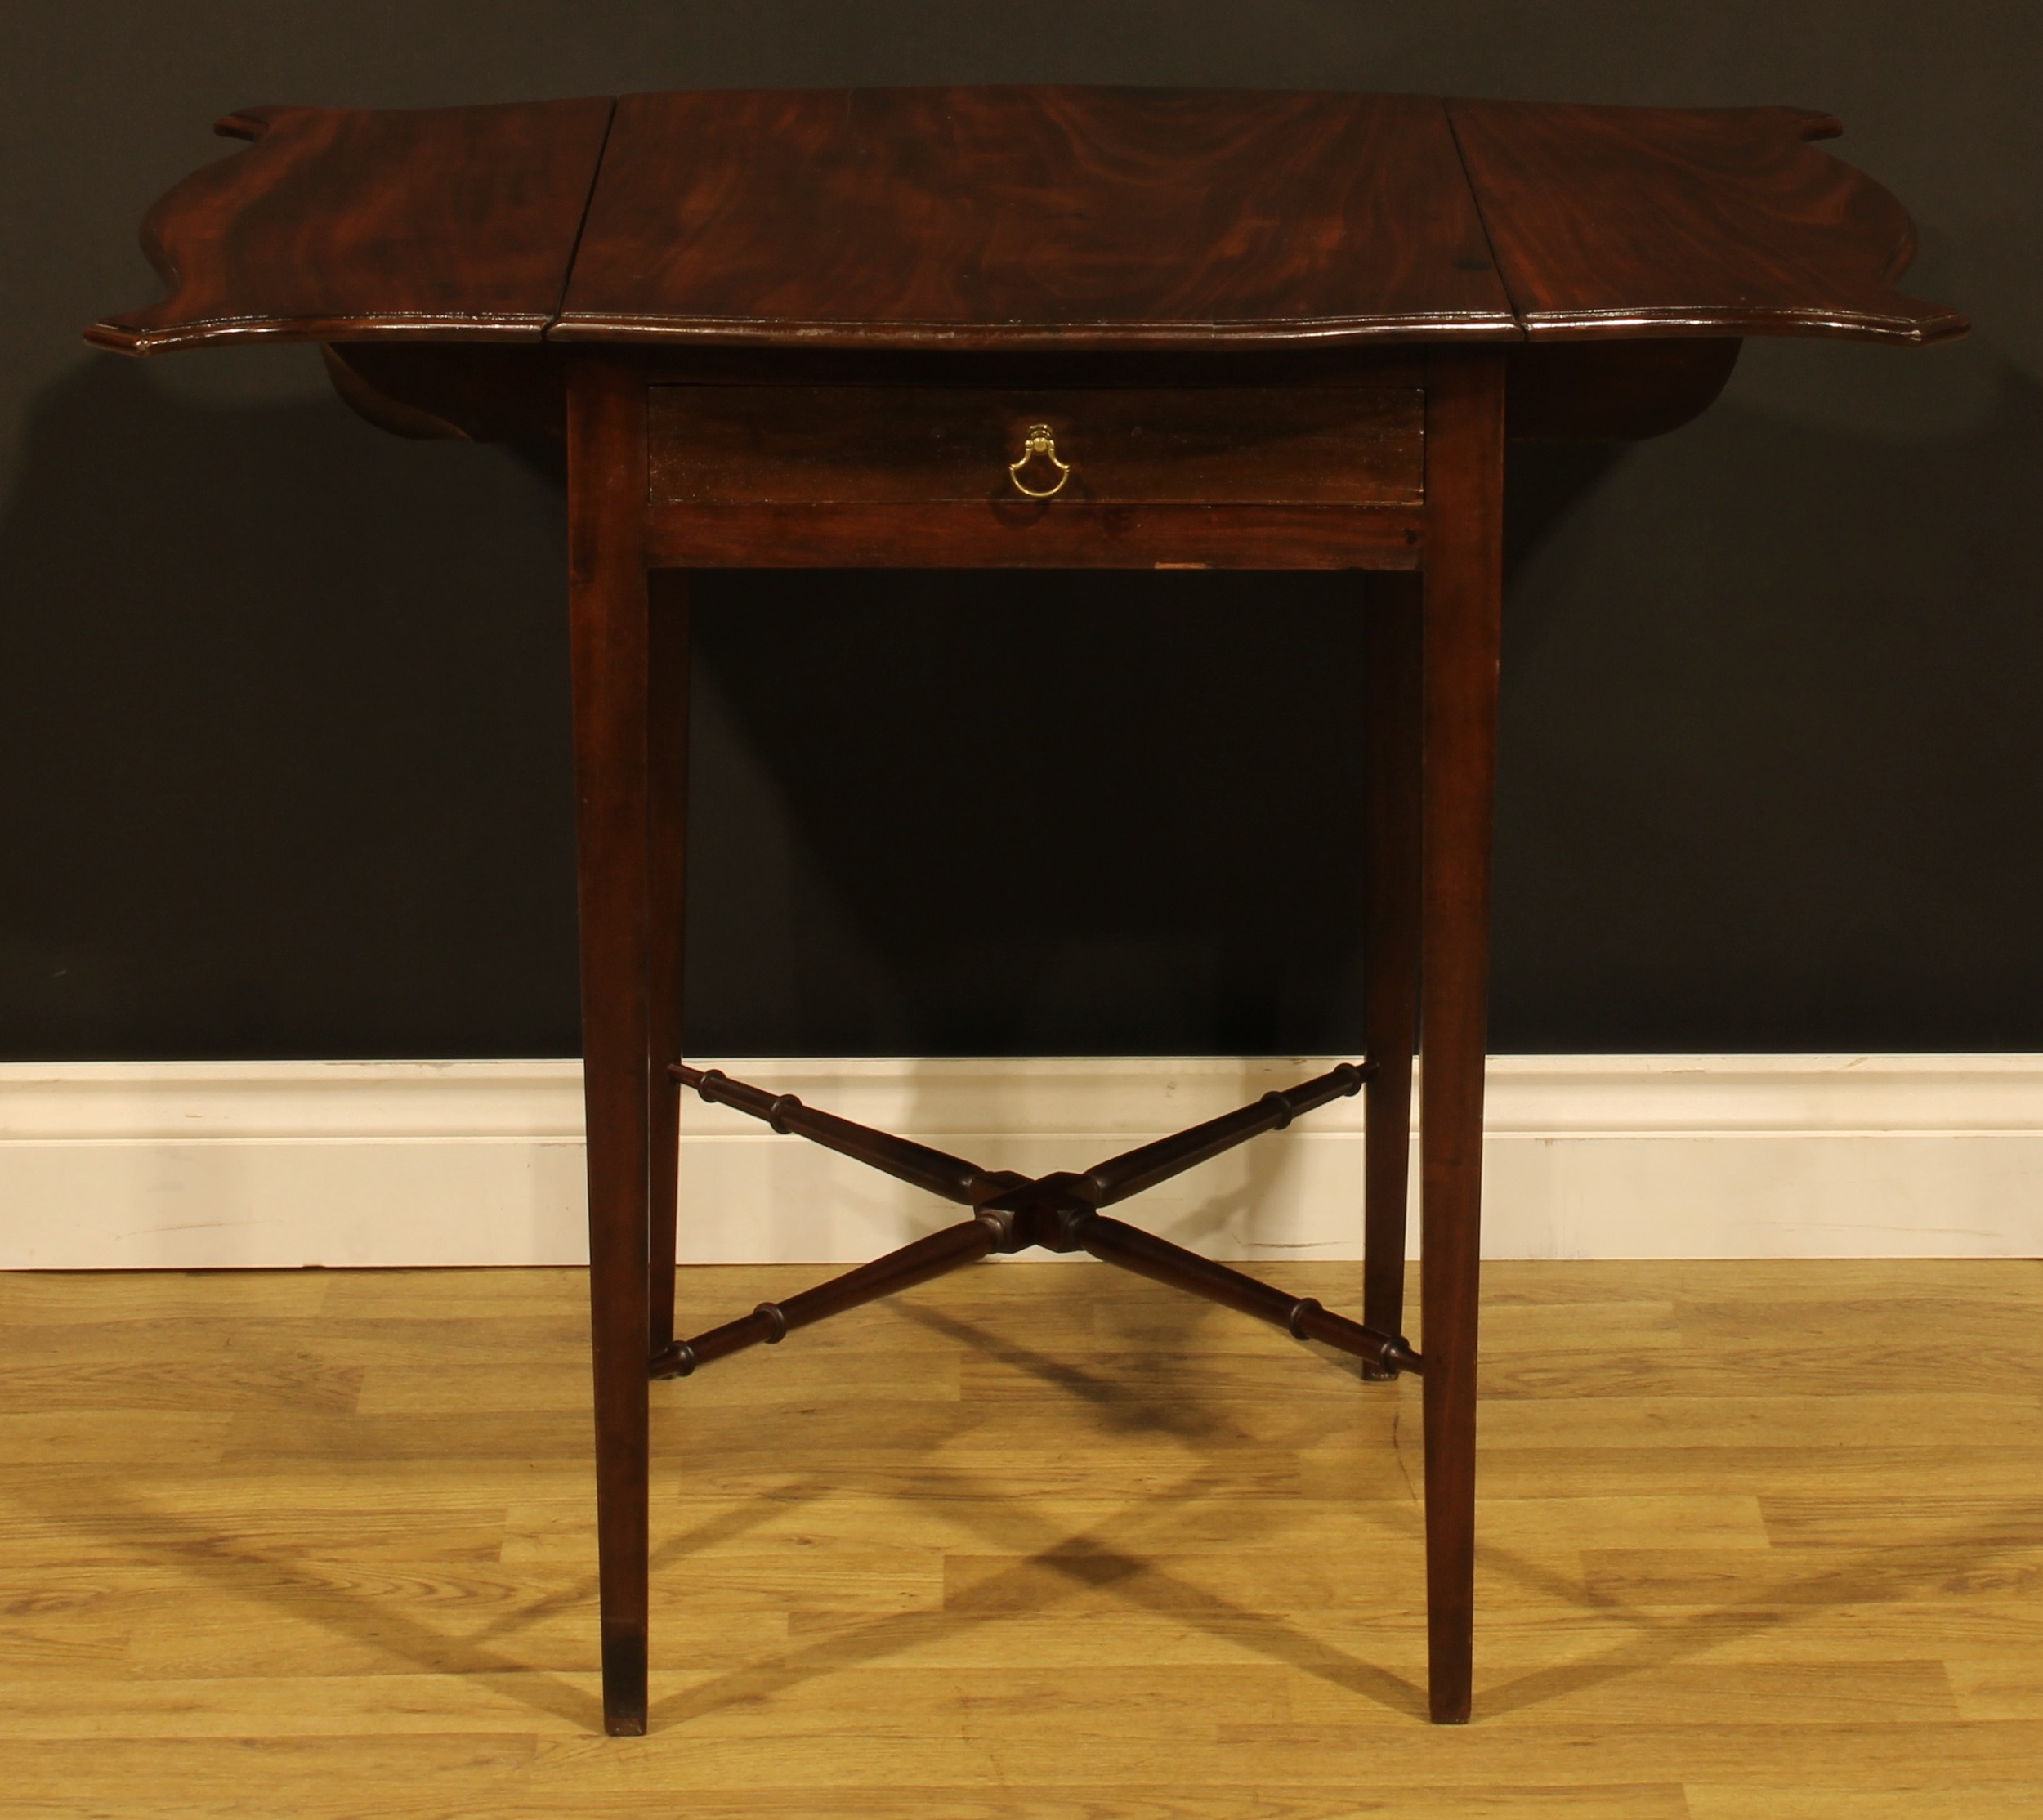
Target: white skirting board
{"points": [[188, 1166]]}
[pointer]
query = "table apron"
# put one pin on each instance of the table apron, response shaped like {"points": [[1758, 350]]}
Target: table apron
{"points": [[1054, 534]]}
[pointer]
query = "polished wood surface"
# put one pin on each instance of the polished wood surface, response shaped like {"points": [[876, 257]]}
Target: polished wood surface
{"points": [[1624, 222], [1026, 218], [1463, 611], [1758, 1543], [1031, 217], [610, 635], [1309, 445], [447, 223]]}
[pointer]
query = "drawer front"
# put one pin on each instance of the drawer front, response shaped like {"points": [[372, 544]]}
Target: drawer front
{"points": [[883, 446]]}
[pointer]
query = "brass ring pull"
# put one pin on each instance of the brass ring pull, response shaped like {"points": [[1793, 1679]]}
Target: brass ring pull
{"points": [[1040, 442]]}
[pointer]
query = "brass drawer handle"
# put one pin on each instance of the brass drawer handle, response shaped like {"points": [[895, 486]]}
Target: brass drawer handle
{"points": [[1040, 442]]}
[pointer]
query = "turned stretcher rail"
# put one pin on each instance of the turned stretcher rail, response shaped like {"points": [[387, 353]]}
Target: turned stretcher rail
{"points": [[1061, 1212], [951, 1177], [1116, 1242], [772, 1322], [1133, 1171]]}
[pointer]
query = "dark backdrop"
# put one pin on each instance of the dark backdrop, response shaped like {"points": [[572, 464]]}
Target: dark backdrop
{"points": [[283, 765]]}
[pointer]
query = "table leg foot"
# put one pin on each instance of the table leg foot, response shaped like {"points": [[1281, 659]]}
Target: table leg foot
{"points": [[624, 1683]]}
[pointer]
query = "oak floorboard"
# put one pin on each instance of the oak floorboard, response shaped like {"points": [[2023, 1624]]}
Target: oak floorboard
{"points": [[1936, 1796], [523, 1386], [1038, 1542]]}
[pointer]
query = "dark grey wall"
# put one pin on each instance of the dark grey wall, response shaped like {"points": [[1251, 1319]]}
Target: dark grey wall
{"points": [[283, 731]]}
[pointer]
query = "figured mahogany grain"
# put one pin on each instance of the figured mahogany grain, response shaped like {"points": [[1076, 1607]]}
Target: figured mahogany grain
{"points": [[1627, 221], [1047, 218], [340, 223], [1032, 217], [873, 444]]}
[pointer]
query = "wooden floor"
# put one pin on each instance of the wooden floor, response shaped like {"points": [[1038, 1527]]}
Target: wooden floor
{"points": [[1757, 1540]]}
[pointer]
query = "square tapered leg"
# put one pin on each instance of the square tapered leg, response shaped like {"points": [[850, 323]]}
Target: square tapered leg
{"points": [[609, 614], [1463, 596], [667, 918], [1390, 935]]}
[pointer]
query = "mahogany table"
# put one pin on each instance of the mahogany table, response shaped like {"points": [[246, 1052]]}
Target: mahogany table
{"points": [[1035, 328]]}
